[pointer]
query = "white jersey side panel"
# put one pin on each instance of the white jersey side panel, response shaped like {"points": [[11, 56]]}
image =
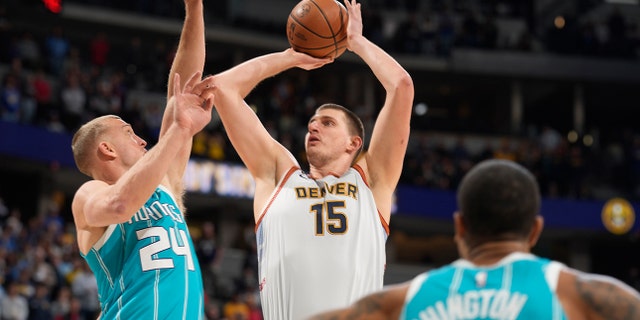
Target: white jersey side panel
{"points": [[321, 245]]}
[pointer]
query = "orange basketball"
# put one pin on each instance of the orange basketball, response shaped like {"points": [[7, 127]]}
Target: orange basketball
{"points": [[318, 28]]}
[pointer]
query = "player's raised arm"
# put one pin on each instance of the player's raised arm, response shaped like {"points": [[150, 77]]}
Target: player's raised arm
{"points": [[389, 139], [189, 59], [264, 157]]}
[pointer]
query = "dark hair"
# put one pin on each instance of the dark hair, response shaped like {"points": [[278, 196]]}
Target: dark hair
{"points": [[498, 199]]}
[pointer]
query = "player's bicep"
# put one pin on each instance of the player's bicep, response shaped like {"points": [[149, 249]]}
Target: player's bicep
{"points": [[389, 139], [258, 150], [98, 206], [607, 297]]}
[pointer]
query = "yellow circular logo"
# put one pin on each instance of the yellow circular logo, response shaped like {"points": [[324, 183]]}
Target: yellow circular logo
{"points": [[618, 216]]}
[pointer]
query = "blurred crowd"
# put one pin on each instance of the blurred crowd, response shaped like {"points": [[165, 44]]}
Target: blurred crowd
{"points": [[58, 82], [435, 27], [44, 277]]}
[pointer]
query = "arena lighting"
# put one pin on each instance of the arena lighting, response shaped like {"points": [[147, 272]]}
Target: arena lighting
{"points": [[421, 109], [559, 22], [54, 6]]}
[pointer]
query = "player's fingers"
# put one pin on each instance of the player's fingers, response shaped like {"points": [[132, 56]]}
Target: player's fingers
{"points": [[193, 80], [207, 93], [204, 84], [208, 103]]}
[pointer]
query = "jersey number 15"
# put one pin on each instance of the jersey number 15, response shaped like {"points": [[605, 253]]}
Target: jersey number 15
{"points": [[326, 214]]}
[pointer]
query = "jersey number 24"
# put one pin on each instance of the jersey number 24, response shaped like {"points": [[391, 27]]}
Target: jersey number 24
{"points": [[166, 239]]}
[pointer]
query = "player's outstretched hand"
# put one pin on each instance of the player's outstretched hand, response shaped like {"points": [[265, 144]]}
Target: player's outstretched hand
{"points": [[192, 106], [354, 27]]}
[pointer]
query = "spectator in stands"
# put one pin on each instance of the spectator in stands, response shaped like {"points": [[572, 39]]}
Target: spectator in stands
{"points": [[43, 272], [504, 150], [10, 99], [28, 49], [74, 99], [408, 36], [57, 47], [40, 303], [85, 288], [61, 305], [99, 49], [210, 255], [235, 308], [43, 94], [54, 123], [212, 310], [13, 306], [252, 301], [75, 311]]}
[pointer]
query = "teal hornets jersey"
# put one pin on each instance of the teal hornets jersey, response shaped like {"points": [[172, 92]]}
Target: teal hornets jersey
{"points": [[147, 268], [520, 286]]}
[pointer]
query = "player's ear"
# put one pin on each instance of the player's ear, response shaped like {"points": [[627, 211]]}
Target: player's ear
{"points": [[106, 151], [356, 143], [458, 227], [460, 232], [536, 230]]}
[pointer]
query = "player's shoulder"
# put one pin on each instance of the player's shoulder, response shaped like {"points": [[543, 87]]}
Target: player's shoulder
{"points": [[84, 192], [89, 189], [584, 293]]}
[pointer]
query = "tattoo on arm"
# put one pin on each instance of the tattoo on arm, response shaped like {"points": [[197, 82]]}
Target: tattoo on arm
{"points": [[363, 309], [608, 297]]}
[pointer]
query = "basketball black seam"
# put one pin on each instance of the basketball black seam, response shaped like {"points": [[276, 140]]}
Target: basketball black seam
{"points": [[311, 31], [326, 20], [336, 42]]}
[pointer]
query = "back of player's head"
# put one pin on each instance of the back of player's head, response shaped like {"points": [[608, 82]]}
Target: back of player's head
{"points": [[85, 140], [498, 199]]}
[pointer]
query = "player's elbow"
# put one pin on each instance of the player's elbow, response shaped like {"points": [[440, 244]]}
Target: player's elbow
{"points": [[402, 85], [113, 210]]}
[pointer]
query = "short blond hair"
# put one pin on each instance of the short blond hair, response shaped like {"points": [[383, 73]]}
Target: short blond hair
{"points": [[85, 141]]}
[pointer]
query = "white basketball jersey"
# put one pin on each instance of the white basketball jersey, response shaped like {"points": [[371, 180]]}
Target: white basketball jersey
{"points": [[321, 245]]}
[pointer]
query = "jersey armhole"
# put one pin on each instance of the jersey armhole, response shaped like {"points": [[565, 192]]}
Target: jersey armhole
{"points": [[552, 274], [283, 180], [415, 285], [358, 168]]}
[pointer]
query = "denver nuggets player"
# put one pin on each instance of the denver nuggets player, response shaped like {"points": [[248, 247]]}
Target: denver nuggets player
{"points": [[321, 234], [497, 277]]}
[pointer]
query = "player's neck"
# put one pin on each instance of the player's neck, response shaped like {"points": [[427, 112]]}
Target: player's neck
{"points": [[321, 172], [491, 252]]}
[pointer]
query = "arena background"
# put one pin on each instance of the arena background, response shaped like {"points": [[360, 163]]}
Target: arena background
{"points": [[552, 85]]}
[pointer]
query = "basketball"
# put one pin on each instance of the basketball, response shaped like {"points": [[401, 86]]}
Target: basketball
{"points": [[318, 28]]}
